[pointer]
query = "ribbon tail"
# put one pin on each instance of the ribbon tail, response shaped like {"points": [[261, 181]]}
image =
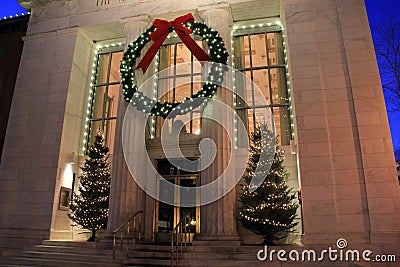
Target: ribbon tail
{"points": [[196, 50], [150, 54]]}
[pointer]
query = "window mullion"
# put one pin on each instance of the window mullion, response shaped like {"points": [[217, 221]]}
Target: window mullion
{"points": [[174, 79], [253, 103], [191, 90], [271, 99]]}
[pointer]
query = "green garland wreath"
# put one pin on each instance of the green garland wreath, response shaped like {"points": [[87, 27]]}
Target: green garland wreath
{"points": [[217, 52]]}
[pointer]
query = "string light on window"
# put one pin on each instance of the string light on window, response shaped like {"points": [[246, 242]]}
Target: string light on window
{"points": [[235, 122], [288, 86], [259, 25], [92, 83], [276, 23]]}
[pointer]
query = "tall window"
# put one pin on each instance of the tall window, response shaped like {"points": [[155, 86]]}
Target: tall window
{"points": [[260, 57], [105, 97], [183, 80]]}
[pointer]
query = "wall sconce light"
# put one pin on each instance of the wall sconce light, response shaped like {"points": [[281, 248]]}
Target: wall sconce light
{"points": [[293, 147], [71, 158]]}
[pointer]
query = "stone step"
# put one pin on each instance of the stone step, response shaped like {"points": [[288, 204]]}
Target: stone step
{"points": [[71, 253], [220, 243], [225, 263], [81, 244], [13, 265], [64, 253], [219, 256], [70, 250], [224, 249], [22, 261], [146, 262], [64, 256], [149, 254], [256, 263], [152, 247]]}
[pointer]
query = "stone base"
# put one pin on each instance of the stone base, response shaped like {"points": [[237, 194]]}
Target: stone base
{"points": [[352, 238], [70, 235], [16, 239], [331, 238]]}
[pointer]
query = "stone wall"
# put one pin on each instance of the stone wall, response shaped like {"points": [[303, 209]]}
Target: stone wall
{"points": [[345, 155]]}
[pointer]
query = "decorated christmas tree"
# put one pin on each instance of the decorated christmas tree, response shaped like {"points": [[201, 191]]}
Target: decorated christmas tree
{"points": [[89, 208], [269, 210]]}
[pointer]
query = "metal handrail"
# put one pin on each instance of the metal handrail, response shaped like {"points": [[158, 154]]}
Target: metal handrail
{"points": [[127, 225], [182, 227]]}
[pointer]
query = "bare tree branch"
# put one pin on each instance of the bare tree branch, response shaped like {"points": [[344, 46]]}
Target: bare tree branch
{"points": [[387, 49]]}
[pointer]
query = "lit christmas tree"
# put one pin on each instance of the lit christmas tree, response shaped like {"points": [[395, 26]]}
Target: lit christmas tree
{"points": [[270, 210], [89, 208]]}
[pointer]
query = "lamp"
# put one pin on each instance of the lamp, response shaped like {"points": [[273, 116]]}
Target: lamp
{"points": [[71, 158], [293, 147]]}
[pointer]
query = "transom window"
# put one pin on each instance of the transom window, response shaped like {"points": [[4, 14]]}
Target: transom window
{"points": [[105, 97], [260, 57]]}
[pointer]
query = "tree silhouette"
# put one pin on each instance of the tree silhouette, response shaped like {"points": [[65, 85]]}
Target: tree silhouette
{"points": [[387, 49]]}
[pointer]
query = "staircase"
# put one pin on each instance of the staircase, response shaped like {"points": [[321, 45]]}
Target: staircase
{"points": [[148, 255], [100, 254], [63, 253], [96, 254], [221, 253], [232, 254], [91, 254]]}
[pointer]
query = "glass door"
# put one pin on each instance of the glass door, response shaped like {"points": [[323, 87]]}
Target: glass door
{"points": [[166, 212], [188, 212], [168, 216]]}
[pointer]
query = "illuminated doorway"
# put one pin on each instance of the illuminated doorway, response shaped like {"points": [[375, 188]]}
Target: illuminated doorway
{"points": [[168, 216]]}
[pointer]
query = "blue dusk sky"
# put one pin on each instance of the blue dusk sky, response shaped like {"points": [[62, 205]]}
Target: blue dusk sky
{"points": [[10, 8], [377, 11]]}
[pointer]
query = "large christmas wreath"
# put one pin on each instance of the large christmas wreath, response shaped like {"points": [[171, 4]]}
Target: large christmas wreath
{"points": [[183, 26]]}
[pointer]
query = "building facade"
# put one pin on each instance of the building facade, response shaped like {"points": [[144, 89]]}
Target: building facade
{"points": [[314, 62]]}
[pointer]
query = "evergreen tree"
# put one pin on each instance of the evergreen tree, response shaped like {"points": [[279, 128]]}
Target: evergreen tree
{"points": [[89, 208], [270, 209]]}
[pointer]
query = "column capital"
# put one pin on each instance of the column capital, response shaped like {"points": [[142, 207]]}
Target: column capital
{"points": [[138, 22], [133, 27], [219, 17], [214, 14]]}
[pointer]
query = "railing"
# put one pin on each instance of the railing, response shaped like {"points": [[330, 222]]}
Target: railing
{"points": [[131, 221], [180, 236]]}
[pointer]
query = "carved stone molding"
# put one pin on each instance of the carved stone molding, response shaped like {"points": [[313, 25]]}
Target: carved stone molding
{"points": [[72, 5], [29, 4]]}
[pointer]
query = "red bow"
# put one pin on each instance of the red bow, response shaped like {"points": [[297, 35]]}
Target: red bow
{"points": [[161, 34]]}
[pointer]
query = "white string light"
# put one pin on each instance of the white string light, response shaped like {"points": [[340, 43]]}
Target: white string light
{"points": [[15, 16], [92, 83], [278, 24]]}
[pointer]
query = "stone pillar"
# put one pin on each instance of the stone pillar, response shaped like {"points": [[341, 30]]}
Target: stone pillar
{"points": [[218, 219], [125, 197], [380, 183], [349, 184]]}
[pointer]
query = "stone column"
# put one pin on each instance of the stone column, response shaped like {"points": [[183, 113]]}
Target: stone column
{"points": [[349, 182], [125, 197], [218, 219]]}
